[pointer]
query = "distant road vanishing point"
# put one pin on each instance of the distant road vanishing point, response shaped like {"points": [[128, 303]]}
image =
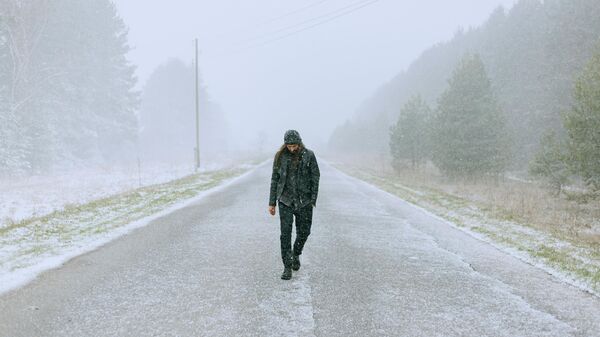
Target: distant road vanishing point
{"points": [[374, 265]]}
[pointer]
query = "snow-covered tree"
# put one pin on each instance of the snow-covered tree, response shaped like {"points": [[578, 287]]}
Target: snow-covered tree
{"points": [[113, 100], [468, 136], [10, 159], [22, 27], [95, 80], [68, 86]]}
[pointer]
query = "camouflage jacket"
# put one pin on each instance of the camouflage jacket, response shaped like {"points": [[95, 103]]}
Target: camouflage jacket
{"points": [[308, 178]]}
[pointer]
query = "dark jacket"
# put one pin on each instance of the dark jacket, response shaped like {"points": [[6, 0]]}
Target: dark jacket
{"points": [[308, 177]]}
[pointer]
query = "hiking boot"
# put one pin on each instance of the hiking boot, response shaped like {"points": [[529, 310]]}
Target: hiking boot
{"points": [[296, 262], [287, 273]]}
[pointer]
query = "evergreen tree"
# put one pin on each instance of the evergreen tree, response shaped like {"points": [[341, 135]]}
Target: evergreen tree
{"points": [[409, 137], [96, 81], [8, 125], [168, 121], [583, 124], [468, 129], [70, 87], [22, 25], [75, 77], [514, 53], [550, 163], [114, 101], [532, 53]]}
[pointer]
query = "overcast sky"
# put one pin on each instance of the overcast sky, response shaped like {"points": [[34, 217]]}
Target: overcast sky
{"points": [[270, 76]]}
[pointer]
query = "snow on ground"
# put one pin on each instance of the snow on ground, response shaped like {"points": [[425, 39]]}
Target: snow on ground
{"points": [[290, 307], [36, 245], [566, 261], [39, 195], [374, 266]]}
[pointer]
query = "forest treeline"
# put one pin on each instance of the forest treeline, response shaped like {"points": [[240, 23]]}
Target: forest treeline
{"points": [[66, 88], [493, 98]]}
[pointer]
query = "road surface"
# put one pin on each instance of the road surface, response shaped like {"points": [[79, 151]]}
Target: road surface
{"points": [[373, 266]]}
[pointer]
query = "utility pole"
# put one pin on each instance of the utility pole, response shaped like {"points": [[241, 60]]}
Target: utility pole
{"points": [[197, 152]]}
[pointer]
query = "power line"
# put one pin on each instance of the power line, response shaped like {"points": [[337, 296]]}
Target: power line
{"points": [[302, 23], [288, 14], [278, 18], [322, 22]]}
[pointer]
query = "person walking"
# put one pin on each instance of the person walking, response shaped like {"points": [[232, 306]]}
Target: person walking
{"points": [[294, 187]]}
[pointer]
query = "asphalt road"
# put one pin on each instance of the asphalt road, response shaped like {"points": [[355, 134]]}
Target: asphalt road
{"points": [[373, 266]]}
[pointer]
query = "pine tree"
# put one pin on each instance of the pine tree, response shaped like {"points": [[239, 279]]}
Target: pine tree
{"points": [[34, 78], [114, 100], [21, 27], [70, 86], [583, 124], [8, 126], [409, 137], [468, 138], [550, 163], [532, 52], [167, 119], [96, 82]]}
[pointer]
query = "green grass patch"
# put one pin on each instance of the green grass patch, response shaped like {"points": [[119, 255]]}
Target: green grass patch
{"points": [[566, 262]]}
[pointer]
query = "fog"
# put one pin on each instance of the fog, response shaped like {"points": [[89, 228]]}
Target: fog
{"points": [[305, 65], [456, 163], [98, 83]]}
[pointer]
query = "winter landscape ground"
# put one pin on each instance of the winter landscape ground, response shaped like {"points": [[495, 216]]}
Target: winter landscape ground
{"points": [[459, 146], [70, 215], [374, 265], [566, 247]]}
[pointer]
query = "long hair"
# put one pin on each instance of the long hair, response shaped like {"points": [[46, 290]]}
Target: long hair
{"points": [[283, 149]]}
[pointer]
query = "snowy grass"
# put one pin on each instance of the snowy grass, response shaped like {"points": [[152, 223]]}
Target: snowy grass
{"points": [[30, 246], [512, 217], [35, 196]]}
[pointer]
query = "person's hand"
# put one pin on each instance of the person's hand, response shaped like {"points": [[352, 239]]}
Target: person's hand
{"points": [[272, 210]]}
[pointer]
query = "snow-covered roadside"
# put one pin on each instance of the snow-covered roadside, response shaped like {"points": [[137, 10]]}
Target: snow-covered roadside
{"points": [[34, 196], [39, 244], [572, 263]]}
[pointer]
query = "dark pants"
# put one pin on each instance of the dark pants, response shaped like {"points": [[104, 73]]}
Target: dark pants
{"points": [[303, 224]]}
